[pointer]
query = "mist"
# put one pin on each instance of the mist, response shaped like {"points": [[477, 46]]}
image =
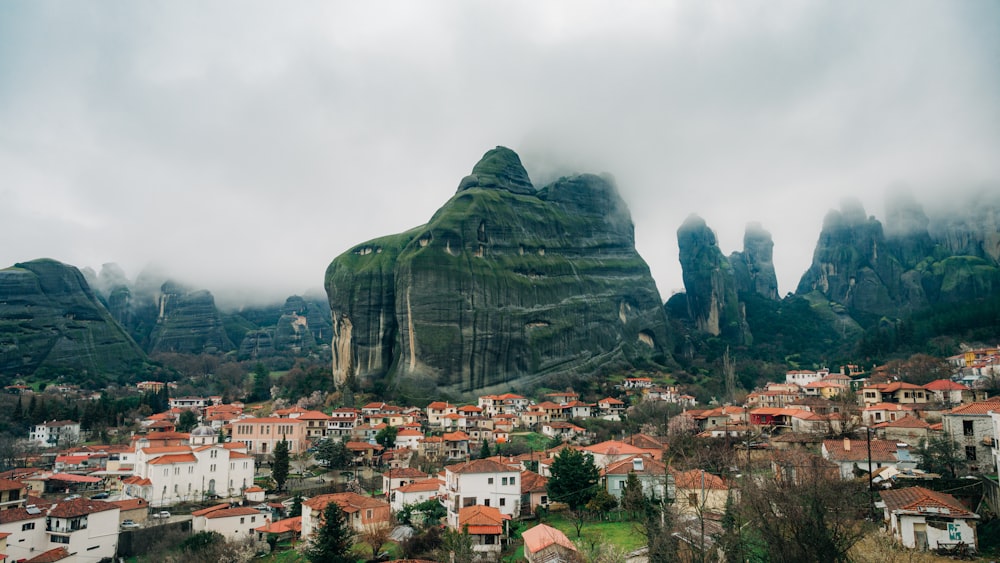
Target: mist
{"points": [[240, 147]]}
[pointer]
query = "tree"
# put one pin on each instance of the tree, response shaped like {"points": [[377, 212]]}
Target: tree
{"points": [[261, 383], [333, 453], [574, 478], [375, 535], [456, 547], [331, 543], [633, 499], [602, 503], [279, 469], [815, 520], [941, 455], [484, 452], [296, 509], [656, 527], [187, 421], [386, 437]]}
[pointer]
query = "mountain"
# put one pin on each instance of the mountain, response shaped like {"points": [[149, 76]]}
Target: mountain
{"points": [[52, 324], [504, 286]]}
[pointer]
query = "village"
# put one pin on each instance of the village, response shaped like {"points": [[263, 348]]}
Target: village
{"points": [[262, 477]]}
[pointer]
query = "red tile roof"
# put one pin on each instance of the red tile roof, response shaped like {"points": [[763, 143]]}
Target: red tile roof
{"points": [[50, 556], [882, 450], [921, 500], [79, 507], [542, 536], [480, 466], [697, 479], [945, 385], [282, 526], [980, 407], [233, 512]]}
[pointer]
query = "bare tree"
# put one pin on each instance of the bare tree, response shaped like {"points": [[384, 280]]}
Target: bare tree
{"points": [[375, 535]]}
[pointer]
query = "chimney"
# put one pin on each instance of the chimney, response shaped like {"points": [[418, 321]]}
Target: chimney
{"points": [[847, 444]]}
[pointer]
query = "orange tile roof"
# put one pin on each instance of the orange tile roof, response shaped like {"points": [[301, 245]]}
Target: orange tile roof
{"points": [[455, 436], [532, 482], [904, 422], [233, 512], [178, 458], [79, 507], [882, 450], [697, 478], [130, 504], [918, 499], [480, 466], [945, 385], [483, 520], [424, 486], [50, 556], [282, 526], [210, 509], [542, 536], [613, 447], [979, 407], [348, 502]]}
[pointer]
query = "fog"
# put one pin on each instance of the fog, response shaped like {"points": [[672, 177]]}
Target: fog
{"points": [[241, 146]]}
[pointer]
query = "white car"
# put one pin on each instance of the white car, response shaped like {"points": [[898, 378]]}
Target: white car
{"points": [[129, 524]]}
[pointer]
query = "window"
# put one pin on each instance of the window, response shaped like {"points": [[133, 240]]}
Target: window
{"points": [[970, 453], [503, 481], [368, 514], [190, 469], [513, 480], [967, 428], [211, 467], [693, 499], [242, 519], [489, 481], [503, 501], [28, 526], [486, 502], [60, 539]]}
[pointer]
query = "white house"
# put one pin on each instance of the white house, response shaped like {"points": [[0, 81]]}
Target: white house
{"points": [[414, 493], [55, 433], [233, 523], [851, 455], [88, 528], [924, 519], [484, 482], [171, 474]]}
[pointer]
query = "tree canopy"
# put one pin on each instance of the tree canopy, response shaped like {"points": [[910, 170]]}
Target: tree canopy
{"points": [[333, 540], [574, 478]]}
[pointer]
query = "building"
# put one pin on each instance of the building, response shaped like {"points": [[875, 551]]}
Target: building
{"points": [[88, 528], [486, 525], [852, 455], [923, 519], [359, 511], [545, 544], [481, 482], [414, 493], [972, 428], [700, 492], [656, 481], [261, 435], [167, 475], [233, 523], [55, 433]]}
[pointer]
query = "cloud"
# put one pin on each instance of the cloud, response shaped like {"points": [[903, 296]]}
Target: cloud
{"points": [[243, 146]]}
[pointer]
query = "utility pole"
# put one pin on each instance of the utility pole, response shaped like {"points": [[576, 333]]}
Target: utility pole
{"points": [[871, 485]]}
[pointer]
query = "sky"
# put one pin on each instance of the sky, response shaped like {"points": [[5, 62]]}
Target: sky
{"points": [[241, 146]]}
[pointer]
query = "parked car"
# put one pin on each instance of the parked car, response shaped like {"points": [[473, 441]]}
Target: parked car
{"points": [[101, 496], [72, 497], [129, 524], [161, 514]]}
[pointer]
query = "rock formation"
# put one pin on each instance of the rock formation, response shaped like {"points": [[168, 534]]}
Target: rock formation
{"points": [[188, 322], [709, 282], [754, 267], [504, 285], [51, 322]]}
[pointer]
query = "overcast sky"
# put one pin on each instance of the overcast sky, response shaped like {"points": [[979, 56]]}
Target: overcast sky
{"points": [[243, 145]]}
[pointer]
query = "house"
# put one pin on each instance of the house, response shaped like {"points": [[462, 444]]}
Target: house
{"points": [[12, 494], [167, 475], [564, 430], [317, 424], [896, 392], [700, 492], [562, 397], [534, 492], [414, 493], [456, 445], [611, 451], [610, 408], [55, 433], [260, 435], [908, 429], [656, 481], [359, 511], [289, 528], [481, 482], [233, 523], [804, 377], [852, 455], [947, 391], [486, 524], [83, 526], [342, 422], [545, 544], [923, 519], [394, 478], [878, 413], [408, 438], [971, 427], [798, 467]]}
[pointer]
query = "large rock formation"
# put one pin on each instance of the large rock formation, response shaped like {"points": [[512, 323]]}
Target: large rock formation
{"points": [[503, 285], [188, 322], [709, 282], [754, 267], [900, 269], [51, 323]]}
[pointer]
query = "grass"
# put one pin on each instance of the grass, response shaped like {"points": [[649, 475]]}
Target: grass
{"points": [[618, 533]]}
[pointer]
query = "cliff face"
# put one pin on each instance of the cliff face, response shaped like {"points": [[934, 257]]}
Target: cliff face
{"points": [[51, 321], [709, 282], [503, 285], [754, 267], [188, 322], [901, 268]]}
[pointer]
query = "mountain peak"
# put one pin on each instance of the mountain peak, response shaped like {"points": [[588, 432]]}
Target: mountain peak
{"points": [[500, 168]]}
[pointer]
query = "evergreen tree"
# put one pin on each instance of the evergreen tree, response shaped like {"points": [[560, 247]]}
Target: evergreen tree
{"points": [[261, 383], [279, 469], [332, 541], [386, 437], [484, 452], [633, 499], [296, 509], [574, 478]]}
